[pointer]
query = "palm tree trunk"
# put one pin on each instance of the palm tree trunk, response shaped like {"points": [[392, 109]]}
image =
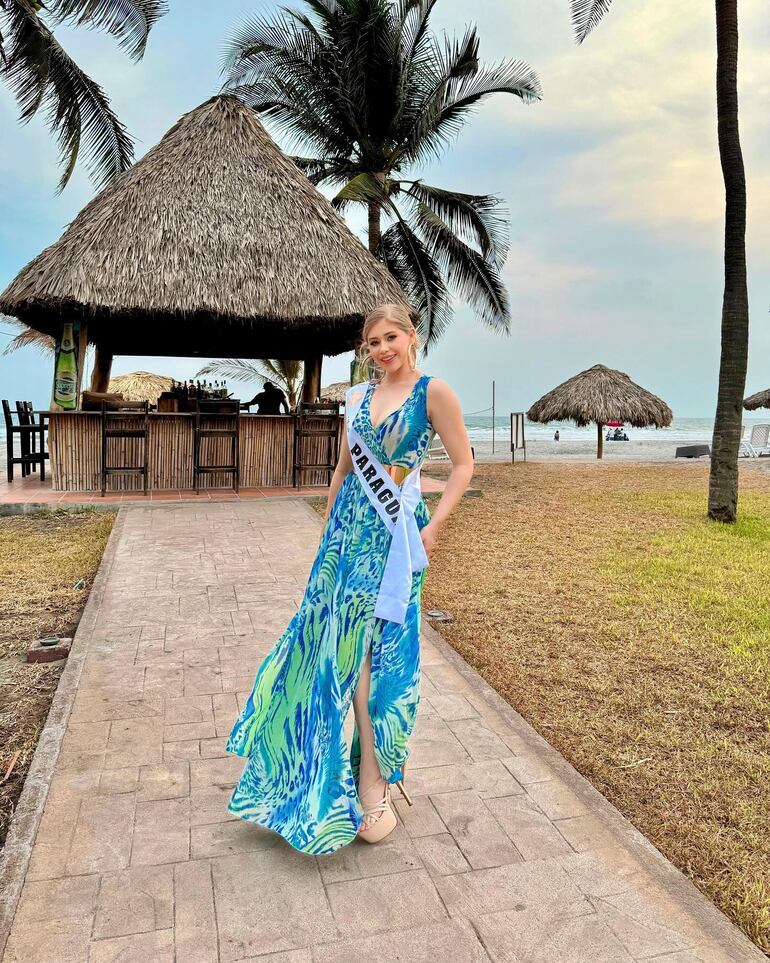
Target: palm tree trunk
{"points": [[100, 376], [723, 478], [375, 231], [375, 216]]}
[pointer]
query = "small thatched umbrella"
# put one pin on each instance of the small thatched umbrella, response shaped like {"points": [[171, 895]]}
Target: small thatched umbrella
{"points": [[140, 386], [214, 243], [760, 400], [599, 395], [335, 392]]}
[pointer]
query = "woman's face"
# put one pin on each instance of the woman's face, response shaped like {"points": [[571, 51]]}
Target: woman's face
{"points": [[389, 345]]}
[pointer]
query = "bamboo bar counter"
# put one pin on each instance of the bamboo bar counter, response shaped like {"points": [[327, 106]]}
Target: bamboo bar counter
{"points": [[265, 449]]}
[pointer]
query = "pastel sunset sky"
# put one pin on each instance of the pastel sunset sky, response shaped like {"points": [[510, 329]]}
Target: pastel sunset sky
{"points": [[612, 182]]}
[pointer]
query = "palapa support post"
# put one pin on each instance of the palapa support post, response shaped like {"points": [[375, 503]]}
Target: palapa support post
{"points": [[600, 439], [100, 376], [311, 388]]}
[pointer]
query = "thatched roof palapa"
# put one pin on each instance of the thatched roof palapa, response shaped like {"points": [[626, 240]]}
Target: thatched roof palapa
{"points": [[600, 394], [214, 243], [335, 392], [760, 400], [139, 386]]}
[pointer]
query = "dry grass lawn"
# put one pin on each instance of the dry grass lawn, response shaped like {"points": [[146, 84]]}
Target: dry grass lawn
{"points": [[634, 635], [42, 557]]}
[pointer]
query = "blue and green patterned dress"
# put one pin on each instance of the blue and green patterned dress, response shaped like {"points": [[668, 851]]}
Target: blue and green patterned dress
{"points": [[301, 778]]}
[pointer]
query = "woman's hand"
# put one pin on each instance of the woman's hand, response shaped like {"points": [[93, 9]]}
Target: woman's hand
{"points": [[429, 534]]}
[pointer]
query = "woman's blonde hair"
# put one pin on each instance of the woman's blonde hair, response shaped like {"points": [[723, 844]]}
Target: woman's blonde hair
{"points": [[403, 317]]}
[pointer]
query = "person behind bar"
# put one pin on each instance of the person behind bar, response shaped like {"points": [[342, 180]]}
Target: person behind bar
{"points": [[269, 401], [356, 635]]}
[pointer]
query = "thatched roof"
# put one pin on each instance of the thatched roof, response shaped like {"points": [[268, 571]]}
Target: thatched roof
{"points": [[335, 392], [599, 395], [213, 243], [760, 400], [139, 386]]}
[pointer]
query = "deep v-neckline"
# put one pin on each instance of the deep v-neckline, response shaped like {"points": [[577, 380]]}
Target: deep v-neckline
{"points": [[390, 414]]}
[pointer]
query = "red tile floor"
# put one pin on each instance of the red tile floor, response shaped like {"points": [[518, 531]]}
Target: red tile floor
{"points": [[31, 490]]}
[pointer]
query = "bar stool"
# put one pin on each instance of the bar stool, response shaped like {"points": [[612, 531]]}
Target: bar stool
{"points": [[125, 419], [225, 414], [309, 423], [29, 433]]}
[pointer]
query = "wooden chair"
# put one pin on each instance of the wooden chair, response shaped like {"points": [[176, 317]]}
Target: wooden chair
{"points": [[30, 433], [130, 420], [309, 424], [225, 414]]}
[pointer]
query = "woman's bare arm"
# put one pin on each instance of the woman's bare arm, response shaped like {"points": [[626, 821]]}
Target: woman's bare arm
{"points": [[447, 418]]}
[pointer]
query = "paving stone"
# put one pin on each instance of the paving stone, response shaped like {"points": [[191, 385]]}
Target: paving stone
{"points": [[488, 779], [475, 830], [453, 706], [216, 772], [516, 886], [605, 872], [195, 925], [115, 781], [215, 748], [102, 837], [157, 947], [151, 847], [585, 832], [86, 737], [97, 708], [479, 741], [209, 805], [58, 899], [134, 742], [136, 900], [453, 941], [421, 818], [179, 751], [394, 854], [165, 781], [441, 855], [51, 941], [383, 903], [556, 799], [268, 902], [528, 769], [555, 936], [528, 828], [190, 710], [229, 838]]}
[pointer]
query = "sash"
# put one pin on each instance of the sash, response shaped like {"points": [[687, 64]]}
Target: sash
{"points": [[395, 504]]}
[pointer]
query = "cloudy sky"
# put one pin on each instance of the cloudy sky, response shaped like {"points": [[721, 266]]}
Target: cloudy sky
{"points": [[612, 181]]}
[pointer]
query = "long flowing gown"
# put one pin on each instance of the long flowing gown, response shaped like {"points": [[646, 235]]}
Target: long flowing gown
{"points": [[301, 779]]}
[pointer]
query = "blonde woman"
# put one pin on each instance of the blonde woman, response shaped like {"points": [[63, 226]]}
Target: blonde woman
{"points": [[356, 635]]}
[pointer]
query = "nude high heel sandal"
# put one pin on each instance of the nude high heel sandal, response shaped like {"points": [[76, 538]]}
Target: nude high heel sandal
{"points": [[400, 784], [385, 821]]}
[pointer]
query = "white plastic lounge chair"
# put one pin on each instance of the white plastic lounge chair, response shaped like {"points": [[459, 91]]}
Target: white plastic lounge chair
{"points": [[436, 452], [759, 440], [746, 449]]}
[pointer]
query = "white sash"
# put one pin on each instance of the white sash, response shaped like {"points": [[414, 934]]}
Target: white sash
{"points": [[396, 506]]}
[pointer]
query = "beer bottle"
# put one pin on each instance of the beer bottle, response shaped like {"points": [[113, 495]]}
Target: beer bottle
{"points": [[66, 378]]}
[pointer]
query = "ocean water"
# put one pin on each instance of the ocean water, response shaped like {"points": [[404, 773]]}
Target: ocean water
{"points": [[684, 430]]}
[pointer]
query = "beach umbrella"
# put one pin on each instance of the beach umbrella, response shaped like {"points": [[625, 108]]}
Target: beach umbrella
{"points": [[139, 386], [214, 244], [760, 400], [335, 392], [598, 395]]}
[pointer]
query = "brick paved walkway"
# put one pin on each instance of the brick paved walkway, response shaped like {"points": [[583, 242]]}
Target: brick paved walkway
{"points": [[508, 855]]}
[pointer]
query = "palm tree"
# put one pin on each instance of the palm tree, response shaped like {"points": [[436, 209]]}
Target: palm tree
{"points": [[372, 95], [288, 374], [40, 74], [723, 476]]}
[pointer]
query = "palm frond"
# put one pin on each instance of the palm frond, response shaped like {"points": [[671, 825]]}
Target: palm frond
{"points": [[40, 73], [129, 21], [586, 15], [479, 219], [472, 276], [409, 261], [29, 338]]}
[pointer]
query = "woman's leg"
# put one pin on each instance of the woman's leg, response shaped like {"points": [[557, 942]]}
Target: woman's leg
{"points": [[370, 780]]}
